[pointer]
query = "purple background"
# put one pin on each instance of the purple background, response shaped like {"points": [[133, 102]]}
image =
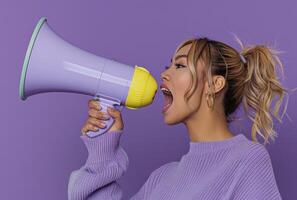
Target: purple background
{"points": [[40, 143]]}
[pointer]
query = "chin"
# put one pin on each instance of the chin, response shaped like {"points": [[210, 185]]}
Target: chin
{"points": [[171, 121]]}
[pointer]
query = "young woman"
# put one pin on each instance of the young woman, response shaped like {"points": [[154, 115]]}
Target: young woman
{"points": [[204, 84]]}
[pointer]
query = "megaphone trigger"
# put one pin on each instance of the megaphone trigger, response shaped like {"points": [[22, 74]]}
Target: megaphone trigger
{"points": [[119, 107], [104, 103]]}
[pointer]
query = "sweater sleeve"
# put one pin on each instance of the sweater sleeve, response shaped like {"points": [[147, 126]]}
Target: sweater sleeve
{"points": [[97, 179], [257, 181]]}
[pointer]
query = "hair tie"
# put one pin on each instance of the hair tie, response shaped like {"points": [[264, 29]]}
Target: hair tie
{"points": [[242, 58]]}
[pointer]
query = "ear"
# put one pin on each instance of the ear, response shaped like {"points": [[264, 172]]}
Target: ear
{"points": [[218, 84]]}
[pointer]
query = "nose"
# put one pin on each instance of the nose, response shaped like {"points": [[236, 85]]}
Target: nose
{"points": [[165, 75]]}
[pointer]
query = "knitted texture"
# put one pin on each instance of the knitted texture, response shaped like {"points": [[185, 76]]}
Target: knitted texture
{"points": [[235, 168]]}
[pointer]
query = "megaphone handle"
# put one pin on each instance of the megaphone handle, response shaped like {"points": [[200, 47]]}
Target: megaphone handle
{"points": [[104, 104]]}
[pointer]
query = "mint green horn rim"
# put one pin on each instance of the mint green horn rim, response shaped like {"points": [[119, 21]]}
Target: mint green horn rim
{"points": [[27, 57]]}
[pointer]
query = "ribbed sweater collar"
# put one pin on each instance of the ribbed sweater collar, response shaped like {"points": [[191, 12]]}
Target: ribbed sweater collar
{"points": [[204, 147]]}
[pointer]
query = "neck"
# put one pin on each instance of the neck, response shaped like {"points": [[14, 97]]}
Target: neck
{"points": [[209, 126], [198, 148]]}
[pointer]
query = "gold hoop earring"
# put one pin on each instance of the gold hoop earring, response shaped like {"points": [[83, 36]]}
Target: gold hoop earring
{"points": [[210, 101]]}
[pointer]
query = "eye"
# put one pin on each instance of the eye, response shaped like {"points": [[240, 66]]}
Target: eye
{"points": [[179, 65]]}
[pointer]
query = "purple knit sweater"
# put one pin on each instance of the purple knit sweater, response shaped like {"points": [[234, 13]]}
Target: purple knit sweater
{"points": [[235, 168]]}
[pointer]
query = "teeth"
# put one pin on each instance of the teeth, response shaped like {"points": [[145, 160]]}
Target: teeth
{"points": [[166, 91]]}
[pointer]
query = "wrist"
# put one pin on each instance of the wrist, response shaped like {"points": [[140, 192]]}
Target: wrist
{"points": [[103, 147], [115, 130]]}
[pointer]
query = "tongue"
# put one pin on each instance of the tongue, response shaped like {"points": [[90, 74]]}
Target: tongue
{"points": [[168, 100]]}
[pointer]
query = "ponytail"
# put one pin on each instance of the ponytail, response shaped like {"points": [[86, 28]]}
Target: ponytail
{"points": [[260, 88]]}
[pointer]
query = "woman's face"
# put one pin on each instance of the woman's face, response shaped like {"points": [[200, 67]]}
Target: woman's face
{"points": [[177, 78]]}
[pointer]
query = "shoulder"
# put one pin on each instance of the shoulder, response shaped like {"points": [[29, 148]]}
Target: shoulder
{"points": [[256, 179], [255, 157], [165, 167], [161, 171], [255, 151]]}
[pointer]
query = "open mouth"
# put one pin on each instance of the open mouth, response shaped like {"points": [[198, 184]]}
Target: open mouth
{"points": [[168, 99]]}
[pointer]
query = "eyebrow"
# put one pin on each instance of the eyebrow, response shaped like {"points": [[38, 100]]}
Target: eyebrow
{"points": [[178, 57]]}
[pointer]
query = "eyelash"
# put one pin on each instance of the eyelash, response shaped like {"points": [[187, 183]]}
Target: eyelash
{"points": [[177, 66]]}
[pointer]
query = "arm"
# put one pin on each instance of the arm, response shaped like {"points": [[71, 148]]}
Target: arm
{"points": [[257, 181], [96, 179]]}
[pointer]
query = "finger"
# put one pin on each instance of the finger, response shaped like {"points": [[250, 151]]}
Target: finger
{"points": [[98, 114], [93, 104], [114, 112], [88, 127], [96, 122]]}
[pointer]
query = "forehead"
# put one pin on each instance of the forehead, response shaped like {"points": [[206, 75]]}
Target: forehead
{"points": [[184, 50]]}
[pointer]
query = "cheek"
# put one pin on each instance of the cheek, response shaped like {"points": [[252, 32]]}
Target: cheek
{"points": [[181, 83], [195, 100]]}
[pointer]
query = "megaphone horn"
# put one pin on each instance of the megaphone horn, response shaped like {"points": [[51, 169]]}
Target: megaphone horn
{"points": [[53, 65]]}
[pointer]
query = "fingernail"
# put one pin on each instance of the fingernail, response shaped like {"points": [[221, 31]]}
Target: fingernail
{"points": [[96, 128], [106, 116], [103, 124]]}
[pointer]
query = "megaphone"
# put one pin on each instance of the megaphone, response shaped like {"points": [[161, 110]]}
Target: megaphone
{"points": [[53, 65]]}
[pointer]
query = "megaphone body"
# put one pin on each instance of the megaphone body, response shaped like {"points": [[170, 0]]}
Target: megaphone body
{"points": [[53, 65]]}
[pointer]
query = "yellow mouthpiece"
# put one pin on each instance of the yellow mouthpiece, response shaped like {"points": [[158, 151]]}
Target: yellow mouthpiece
{"points": [[142, 90]]}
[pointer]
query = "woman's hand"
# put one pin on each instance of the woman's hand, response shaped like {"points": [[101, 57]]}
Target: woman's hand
{"points": [[97, 118]]}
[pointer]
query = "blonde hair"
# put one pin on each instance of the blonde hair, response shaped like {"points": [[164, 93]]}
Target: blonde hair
{"points": [[252, 81]]}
